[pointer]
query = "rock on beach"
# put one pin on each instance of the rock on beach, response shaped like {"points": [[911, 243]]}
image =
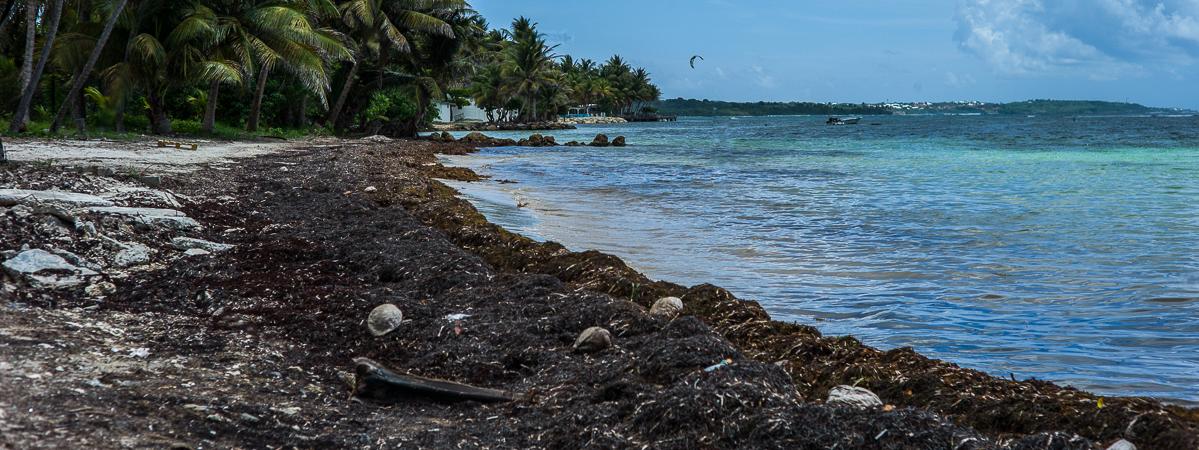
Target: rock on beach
{"points": [[854, 397], [43, 267], [186, 243], [384, 319], [592, 340], [13, 197], [667, 307]]}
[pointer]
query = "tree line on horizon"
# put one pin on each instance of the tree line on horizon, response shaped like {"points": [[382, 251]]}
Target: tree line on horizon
{"points": [[264, 66]]}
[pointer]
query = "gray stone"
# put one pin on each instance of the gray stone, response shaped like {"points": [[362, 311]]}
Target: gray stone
{"points": [[592, 340], [169, 218], [132, 254], [100, 289], [42, 267], [854, 397], [142, 196], [51, 226], [384, 319], [196, 252], [667, 307], [1122, 445], [21, 211], [74, 259], [185, 243], [150, 180], [11, 197]]}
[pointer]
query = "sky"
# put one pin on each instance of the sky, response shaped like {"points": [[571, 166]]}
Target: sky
{"points": [[1143, 51]]}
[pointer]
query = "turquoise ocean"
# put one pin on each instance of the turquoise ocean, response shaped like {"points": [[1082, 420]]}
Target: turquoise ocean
{"points": [[1065, 249]]}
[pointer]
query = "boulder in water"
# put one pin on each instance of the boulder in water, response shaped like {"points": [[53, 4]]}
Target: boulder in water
{"points": [[601, 140], [618, 142]]}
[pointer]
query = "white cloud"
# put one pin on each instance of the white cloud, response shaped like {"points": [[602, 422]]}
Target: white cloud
{"points": [[954, 80], [762, 78], [1099, 38]]}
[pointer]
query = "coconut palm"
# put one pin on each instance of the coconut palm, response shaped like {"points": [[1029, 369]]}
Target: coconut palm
{"points": [[289, 38], [529, 65], [242, 38], [377, 26], [159, 55], [85, 72], [31, 8], [19, 117]]}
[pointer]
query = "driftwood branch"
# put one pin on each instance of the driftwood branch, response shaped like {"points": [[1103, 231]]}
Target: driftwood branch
{"points": [[373, 380]]}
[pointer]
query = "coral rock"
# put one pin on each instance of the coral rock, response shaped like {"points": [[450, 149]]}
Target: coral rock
{"points": [[384, 319]]}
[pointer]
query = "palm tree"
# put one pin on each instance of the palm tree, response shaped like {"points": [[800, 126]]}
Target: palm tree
{"points": [[86, 71], [378, 25], [6, 18], [487, 90], [287, 37], [529, 65], [160, 53], [22, 113], [31, 7]]}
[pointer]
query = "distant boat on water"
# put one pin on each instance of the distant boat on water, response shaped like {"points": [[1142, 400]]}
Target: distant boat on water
{"points": [[843, 120]]}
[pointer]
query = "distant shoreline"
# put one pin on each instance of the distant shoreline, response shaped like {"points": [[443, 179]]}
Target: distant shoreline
{"points": [[707, 108]]}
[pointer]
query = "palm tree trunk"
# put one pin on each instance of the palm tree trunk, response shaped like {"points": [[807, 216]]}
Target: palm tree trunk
{"points": [[9, 11], [303, 116], [18, 119], [118, 118], [256, 106], [341, 98], [214, 92], [159, 122], [30, 38], [79, 114], [80, 80]]}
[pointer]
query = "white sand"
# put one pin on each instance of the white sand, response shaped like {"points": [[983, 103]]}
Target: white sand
{"points": [[144, 155]]}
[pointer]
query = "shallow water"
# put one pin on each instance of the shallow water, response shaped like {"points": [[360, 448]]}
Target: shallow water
{"points": [[1064, 249]]}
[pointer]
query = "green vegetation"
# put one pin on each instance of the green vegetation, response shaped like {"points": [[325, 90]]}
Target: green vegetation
{"points": [[247, 68], [689, 107], [1073, 108]]}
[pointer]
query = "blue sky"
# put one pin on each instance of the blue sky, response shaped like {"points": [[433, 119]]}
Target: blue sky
{"points": [[1143, 51]]}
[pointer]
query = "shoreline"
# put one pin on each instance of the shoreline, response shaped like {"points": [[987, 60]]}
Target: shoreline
{"points": [[741, 314], [527, 201], [322, 233]]}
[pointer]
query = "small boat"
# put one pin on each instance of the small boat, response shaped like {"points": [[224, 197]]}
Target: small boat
{"points": [[843, 120]]}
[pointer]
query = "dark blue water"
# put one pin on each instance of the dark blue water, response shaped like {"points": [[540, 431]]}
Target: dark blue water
{"points": [[1064, 249]]}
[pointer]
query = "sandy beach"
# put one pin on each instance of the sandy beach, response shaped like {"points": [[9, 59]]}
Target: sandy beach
{"points": [[253, 345]]}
